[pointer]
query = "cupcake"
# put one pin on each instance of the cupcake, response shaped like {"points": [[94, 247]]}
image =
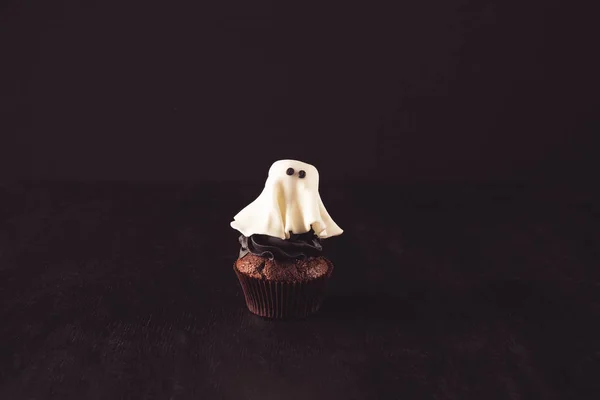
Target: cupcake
{"points": [[280, 266]]}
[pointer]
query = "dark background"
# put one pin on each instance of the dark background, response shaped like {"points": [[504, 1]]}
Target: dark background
{"points": [[453, 141], [417, 90]]}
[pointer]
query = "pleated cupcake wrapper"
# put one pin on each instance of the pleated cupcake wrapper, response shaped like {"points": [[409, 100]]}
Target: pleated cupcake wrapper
{"points": [[276, 299]]}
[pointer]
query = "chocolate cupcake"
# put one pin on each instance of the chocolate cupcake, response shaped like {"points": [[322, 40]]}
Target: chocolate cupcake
{"points": [[280, 266]]}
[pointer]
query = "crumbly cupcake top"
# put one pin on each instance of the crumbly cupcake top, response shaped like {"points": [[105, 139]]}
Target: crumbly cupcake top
{"points": [[283, 270]]}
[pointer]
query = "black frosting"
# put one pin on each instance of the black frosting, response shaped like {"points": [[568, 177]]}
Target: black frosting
{"points": [[297, 246]]}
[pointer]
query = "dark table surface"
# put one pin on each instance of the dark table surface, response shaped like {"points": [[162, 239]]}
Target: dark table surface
{"points": [[111, 291]]}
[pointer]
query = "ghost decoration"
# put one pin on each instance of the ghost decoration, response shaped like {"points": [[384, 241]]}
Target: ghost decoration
{"points": [[289, 203]]}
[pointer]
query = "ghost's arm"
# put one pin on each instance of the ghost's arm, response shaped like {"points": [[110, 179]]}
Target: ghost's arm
{"points": [[262, 216], [330, 228]]}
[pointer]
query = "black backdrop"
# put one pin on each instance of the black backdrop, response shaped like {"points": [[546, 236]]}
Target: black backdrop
{"points": [[441, 290], [418, 90]]}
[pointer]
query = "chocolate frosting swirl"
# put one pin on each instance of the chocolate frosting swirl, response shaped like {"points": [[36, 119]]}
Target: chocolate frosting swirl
{"points": [[298, 246]]}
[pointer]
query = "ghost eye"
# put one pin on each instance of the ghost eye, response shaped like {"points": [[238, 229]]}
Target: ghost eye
{"points": [[301, 174], [290, 171]]}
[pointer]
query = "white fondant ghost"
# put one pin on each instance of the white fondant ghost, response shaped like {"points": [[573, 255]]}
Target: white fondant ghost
{"points": [[290, 202]]}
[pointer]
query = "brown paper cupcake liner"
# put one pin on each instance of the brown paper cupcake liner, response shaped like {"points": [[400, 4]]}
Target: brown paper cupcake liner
{"points": [[280, 299]]}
